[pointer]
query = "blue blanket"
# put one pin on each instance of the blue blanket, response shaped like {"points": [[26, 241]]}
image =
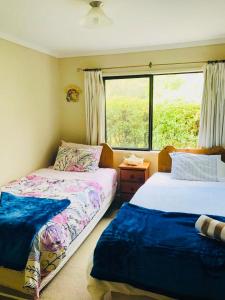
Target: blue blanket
{"points": [[20, 219], [161, 252]]}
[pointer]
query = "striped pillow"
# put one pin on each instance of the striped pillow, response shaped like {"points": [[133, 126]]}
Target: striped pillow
{"points": [[211, 228], [221, 170], [199, 167]]}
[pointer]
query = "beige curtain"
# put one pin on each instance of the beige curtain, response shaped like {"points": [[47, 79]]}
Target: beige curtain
{"points": [[212, 120], [95, 107]]}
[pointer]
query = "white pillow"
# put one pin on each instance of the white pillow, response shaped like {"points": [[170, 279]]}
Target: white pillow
{"points": [[199, 167], [221, 170]]}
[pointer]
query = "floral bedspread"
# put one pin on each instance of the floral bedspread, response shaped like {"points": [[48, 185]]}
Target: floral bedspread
{"points": [[52, 241]]}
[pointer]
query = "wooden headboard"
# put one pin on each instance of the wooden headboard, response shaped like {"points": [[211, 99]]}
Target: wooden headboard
{"points": [[106, 160], [164, 160]]}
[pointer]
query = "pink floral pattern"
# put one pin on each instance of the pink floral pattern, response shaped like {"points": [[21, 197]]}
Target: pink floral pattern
{"points": [[76, 160], [51, 243]]}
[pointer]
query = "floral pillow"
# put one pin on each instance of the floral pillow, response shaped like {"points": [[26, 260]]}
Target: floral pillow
{"points": [[76, 160], [97, 149]]}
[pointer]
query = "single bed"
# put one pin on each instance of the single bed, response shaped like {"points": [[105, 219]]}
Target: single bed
{"points": [[90, 193], [163, 193]]}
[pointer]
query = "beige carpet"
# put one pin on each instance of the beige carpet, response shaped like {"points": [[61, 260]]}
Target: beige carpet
{"points": [[70, 283]]}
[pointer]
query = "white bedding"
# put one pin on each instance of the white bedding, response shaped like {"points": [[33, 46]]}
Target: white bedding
{"points": [[164, 193]]}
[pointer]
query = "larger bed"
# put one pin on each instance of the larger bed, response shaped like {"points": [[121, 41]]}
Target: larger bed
{"points": [[163, 193], [90, 195]]}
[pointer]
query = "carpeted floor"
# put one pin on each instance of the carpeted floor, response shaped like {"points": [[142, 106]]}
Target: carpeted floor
{"points": [[70, 283]]}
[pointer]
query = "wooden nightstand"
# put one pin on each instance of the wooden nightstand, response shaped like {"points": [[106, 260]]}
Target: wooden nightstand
{"points": [[131, 178]]}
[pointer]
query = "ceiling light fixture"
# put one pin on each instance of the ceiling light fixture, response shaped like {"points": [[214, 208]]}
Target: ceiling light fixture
{"points": [[96, 16]]}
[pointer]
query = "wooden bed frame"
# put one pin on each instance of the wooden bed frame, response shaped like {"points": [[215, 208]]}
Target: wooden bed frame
{"points": [[106, 160], [164, 159]]}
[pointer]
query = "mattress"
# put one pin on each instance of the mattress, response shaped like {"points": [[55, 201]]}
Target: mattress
{"points": [[161, 192], [106, 177], [90, 195]]}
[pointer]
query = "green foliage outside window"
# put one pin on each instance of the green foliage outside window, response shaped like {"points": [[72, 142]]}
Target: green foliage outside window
{"points": [[176, 111], [175, 123], [127, 122]]}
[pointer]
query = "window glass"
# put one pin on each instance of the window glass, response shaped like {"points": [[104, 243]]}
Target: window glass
{"points": [[127, 112], [137, 120], [176, 110]]}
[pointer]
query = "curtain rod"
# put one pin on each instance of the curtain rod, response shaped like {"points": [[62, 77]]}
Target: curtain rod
{"points": [[150, 65]]}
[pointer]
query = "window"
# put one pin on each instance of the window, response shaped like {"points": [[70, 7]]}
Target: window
{"points": [[176, 110], [127, 112], [152, 111]]}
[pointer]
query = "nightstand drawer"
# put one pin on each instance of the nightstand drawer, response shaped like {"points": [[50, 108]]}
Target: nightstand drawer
{"points": [[129, 187], [131, 175]]}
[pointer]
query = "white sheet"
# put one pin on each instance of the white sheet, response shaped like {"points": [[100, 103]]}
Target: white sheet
{"points": [[164, 193], [104, 176]]}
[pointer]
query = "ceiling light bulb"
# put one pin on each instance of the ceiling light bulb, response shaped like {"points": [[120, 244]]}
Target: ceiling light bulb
{"points": [[96, 16]]}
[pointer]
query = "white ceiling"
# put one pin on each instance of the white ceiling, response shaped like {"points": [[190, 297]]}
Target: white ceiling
{"points": [[52, 26]]}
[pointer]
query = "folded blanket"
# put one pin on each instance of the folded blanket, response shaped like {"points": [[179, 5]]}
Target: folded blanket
{"points": [[211, 228], [20, 219]]}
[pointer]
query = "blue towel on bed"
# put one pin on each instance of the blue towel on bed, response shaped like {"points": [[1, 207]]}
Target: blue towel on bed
{"points": [[161, 252], [20, 219]]}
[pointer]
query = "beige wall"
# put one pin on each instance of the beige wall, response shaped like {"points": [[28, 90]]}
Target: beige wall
{"points": [[73, 114], [34, 114], [29, 110]]}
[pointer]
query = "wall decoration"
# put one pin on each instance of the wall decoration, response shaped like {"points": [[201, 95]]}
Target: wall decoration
{"points": [[72, 93]]}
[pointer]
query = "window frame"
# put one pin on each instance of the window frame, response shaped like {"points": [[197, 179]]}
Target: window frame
{"points": [[151, 90]]}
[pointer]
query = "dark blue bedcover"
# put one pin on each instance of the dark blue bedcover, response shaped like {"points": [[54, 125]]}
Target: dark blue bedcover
{"points": [[161, 252], [20, 219]]}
